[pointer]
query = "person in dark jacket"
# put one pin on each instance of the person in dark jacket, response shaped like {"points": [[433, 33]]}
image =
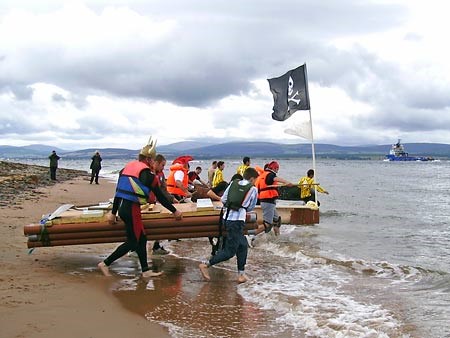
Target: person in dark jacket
{"points": [[53, 165], [95, 167]]}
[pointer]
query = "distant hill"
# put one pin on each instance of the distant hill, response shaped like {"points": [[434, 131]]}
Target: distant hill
{"points": [[106, 153], [183, 146], [236, 149], [276, 150], [30, 151]]}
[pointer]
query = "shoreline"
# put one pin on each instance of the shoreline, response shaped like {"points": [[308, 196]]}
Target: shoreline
{"points": [[54, 292], [20, 181]]}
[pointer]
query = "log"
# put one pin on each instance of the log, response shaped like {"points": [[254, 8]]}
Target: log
{"points": [[122, 233], [33, 229], [99, 240], [105, 226]]}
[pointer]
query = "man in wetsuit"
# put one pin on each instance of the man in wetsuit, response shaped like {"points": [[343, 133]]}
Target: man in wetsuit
{"points": [[135, 183]]}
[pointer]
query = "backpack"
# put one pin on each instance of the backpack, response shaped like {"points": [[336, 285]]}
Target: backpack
{"points": [[237, 194]]}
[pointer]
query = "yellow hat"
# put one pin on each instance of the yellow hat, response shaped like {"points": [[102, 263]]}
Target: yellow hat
{"points": [[149, 150]]}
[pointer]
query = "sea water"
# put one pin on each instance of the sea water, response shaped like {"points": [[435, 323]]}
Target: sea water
{"points": [[377, 265]]}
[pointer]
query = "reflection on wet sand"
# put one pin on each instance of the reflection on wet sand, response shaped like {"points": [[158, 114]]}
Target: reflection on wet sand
{"points": [[191, 307]]}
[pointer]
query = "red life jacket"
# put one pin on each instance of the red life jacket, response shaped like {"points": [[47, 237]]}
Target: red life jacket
{"points": [[129, 186]]}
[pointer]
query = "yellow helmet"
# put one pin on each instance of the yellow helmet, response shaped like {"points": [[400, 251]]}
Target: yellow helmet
{"points": [[149, 150]]}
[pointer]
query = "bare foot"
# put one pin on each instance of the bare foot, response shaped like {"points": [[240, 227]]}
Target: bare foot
{"points": [[242, 279], [204, 270], [104, 269], [150, 274], [276, 230]]}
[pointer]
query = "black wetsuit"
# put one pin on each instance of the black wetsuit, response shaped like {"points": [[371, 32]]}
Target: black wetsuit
{"points": [[130, 213]]}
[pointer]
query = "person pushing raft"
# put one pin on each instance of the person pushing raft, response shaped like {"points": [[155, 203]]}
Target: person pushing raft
{"points": [[308, 188], [238, 198], [267, 185], [135, 183]]}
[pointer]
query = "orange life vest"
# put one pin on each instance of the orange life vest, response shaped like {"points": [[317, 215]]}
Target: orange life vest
{"points": [[172, 185], [264, 191]]}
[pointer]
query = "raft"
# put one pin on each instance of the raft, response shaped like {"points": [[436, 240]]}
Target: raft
{"points": [[293, 212], [289, 206], [89, 225]]}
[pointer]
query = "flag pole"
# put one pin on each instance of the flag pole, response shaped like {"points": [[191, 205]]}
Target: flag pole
{"points": [[313, 153], [311, 130]]}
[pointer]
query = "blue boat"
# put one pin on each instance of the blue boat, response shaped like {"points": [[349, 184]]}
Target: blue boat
{"points": [[398, 153]]}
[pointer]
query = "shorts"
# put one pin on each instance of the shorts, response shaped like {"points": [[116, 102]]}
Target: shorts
{"points": [[269, 211]]}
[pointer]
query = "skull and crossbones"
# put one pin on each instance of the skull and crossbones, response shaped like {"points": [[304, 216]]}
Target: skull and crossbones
{"points": [[291, 95]]}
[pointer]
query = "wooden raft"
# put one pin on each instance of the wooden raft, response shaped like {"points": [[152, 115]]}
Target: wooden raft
{"points": [[289, 206], [89, 225], [291, 212]]}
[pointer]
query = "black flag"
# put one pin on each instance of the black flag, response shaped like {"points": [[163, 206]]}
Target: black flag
{"points": [[290, 93]]}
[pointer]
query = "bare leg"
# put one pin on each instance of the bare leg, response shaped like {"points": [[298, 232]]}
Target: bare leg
{"points": [[104, 269], [204, 270]]}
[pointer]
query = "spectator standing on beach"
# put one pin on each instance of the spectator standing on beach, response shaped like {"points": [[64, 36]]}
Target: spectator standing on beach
{"points": [[218, 174], [245, 164], [238, 198], [96, 166], [211, 172], [135, 183], [53, 165]]}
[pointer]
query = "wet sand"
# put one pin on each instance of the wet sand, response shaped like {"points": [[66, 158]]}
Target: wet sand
{"points": [[56, 291]]}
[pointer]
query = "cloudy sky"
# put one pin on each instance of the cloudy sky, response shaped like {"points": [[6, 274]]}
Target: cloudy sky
{"points": [[109, 73]]}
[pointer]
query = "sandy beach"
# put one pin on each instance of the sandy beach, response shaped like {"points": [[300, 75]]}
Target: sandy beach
{"points": [[59, 291], [56, 291]]}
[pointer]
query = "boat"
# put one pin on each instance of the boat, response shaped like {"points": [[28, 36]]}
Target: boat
{"points": [[398, 153]]}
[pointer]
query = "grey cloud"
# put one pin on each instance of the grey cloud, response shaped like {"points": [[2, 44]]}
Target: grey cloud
{"points": [[218, 48], [58, 98], [20, 91], [10, 124]]}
